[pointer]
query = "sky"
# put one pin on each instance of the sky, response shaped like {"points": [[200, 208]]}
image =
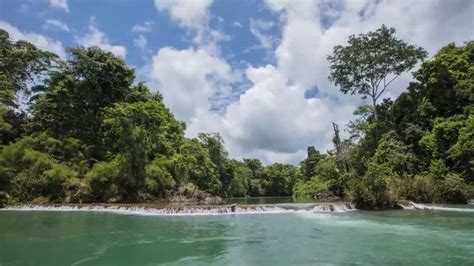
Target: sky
{"points": [[253, 71]]}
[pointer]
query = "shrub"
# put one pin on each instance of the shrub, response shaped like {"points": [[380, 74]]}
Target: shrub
{"points": [[311, 188], [451, 190], [158, 180], [422, 189], [373, 190], [103, 175]]}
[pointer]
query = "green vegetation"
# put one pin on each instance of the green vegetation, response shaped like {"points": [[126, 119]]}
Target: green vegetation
{"points": [[91, 134], [419, 147]]}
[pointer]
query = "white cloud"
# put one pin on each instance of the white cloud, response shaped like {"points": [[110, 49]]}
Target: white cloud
{"points": [[39, 40], [187, 78], [236, 24], [272, 120], [273, 116], [95, 37], [140, 42], [194, 16], [56, 24], [60, 4], [258, 28], [306, 41], [190, 14], [145, 27]]}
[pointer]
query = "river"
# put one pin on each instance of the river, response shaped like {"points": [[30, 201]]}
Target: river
{"points": [[301, 236]]}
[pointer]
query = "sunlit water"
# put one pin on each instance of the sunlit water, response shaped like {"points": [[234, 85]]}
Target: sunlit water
{"points": [[404, 237]]}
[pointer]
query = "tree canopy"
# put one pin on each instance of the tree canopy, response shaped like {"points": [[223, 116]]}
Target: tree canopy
{"points": [[371, 62]]}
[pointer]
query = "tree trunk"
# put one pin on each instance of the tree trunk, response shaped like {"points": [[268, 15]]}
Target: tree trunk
{"points": [[374, 103]]}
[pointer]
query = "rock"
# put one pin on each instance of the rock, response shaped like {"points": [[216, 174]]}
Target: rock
{"points": [[326, 197], [213, 200]]}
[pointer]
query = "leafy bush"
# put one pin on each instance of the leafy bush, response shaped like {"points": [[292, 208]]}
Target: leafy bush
{"points": [[103, 176], [373, 190], [421, 189], [451, 190], [158, 179], [311, 188]]}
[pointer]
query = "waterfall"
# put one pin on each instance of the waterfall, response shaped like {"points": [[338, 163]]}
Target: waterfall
{"points": [[188, 210]]}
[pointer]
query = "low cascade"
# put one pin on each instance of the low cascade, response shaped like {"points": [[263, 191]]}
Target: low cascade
{"points": [[198, 210], [418, 206]]}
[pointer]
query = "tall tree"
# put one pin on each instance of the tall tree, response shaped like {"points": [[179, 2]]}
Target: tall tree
{"points": [[371, 62], [21, 66], [74, 98]]}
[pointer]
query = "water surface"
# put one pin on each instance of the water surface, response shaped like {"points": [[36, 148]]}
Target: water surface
{"points": [[404, 237]]}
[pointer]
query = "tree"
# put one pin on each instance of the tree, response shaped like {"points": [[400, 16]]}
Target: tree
{"points": [[280, 179], [21, 65], [139, 132], [308, 165], [371, 62], [72, 101]]}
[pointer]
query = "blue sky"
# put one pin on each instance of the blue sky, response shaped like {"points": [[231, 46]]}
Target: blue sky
{"points": [[117, 19], [254, 71]]}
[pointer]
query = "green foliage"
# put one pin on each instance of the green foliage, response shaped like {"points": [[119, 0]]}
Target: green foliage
{"points": [[158, 177], [280, 179], [422, 149], [93, 135], [462, 152], [439, 140], [419, 189], [310, 189], [373, 190], [240, 184], [395, 155], [309, 164], [104, 179], [140, 131], [20, 63], [451, 190], [370, 62], [72, 101]]}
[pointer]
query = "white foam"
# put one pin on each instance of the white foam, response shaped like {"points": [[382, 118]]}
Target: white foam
{"points": [[213, 210], [419, 206]]}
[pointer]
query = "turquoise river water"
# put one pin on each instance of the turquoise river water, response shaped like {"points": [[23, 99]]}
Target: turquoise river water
{"points": [[277, 236]]}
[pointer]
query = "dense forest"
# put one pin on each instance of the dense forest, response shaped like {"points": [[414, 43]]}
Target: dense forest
{"points": [[89, 132]]}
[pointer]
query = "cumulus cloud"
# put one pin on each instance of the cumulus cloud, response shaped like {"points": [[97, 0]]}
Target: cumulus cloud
{"points": [[273, 116], [95, 37], [59, 4], [56, 25], [188, 78], [39, 40], [312, 28], [272, 120], [193, 16], [145, 27], [189, 14]]}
